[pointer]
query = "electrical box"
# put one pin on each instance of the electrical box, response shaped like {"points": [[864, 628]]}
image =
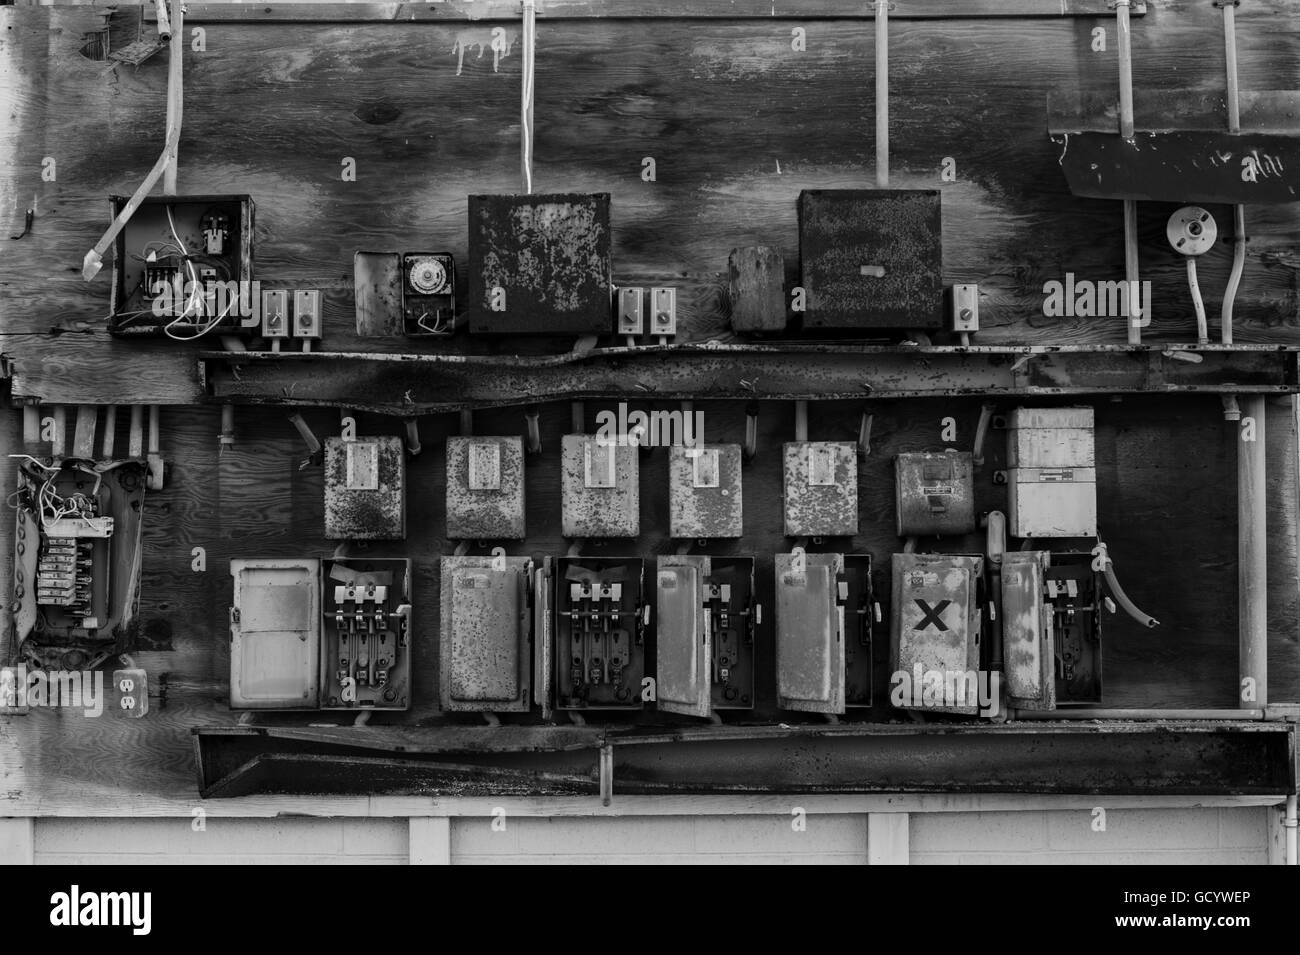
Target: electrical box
{"points": [[485, 487], [600, 487], [600, 618], [1052, 474], [1028, 649], [826, 613], [704, 491], [1075, 596], [486, 634], [705, 625], [540, 264], [275, 313], [821, 489], [871, 258], [934, 493], [428, 293], [309, 634], [183, 267], [365, 488], [366, 640], [936, 628], [306, 314], [663, 311]]}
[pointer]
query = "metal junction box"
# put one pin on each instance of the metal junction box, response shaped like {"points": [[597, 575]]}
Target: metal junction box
{"points": [[704, 634], [935, 629], [365, 488], [704, 491], [600, 487], [825, 618], [1028, 650], [871, 258], [1052, 473], [309, 634], [540, 264], [485, 642], [485, 488], [821, 489], [935, 493], [599, 655]]}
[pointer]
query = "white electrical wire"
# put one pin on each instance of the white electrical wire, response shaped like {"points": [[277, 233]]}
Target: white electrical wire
{"points": [[526, 100], [1202, 326]]}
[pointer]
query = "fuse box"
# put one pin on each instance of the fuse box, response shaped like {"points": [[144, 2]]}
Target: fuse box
{"points": [[936, 628], [1028, 647], [485, 487], [77, 538], [934, 493], [821, 488], [540, 264], [1052, 475], [871, 258], [825, 619], [365, 488], [600, 487], [600, 619], [1075, 596], [183, 265], [705, 626], [312, 634], [486, 634], [704, 491], [366, 645]]}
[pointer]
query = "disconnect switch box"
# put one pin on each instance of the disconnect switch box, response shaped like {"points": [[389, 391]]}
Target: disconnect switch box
{"points": [[486, 634], [365, 488], [821, 488], [600, 488], [935, 631], [1052, 476], [485, 488]]}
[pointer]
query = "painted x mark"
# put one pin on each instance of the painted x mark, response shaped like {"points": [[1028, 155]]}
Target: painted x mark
{"points": [[932, 615]]}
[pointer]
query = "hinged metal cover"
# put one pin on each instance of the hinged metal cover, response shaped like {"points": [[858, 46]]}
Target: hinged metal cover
{"points": [[682, 683], [935, 493], [275, 634], [705, 491], [1027, 640], [485, 636], [810, 628], [935, 632], [365, 488], [871, 258]]}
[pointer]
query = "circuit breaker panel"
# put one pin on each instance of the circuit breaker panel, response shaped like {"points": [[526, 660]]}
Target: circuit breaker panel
{"points": [[705, 626], [936, 627], [366, 645], [600, 619], [486, 636]]}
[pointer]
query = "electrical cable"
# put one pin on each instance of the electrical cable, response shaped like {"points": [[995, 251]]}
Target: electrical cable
{"points": [[526, 103], [1202, 326]]}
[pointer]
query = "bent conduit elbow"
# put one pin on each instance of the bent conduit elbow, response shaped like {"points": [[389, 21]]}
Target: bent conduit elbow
{"points": [[1121, 598]]}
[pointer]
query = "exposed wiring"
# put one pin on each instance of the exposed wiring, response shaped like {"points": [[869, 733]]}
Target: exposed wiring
{"points": [[1202, 326]]}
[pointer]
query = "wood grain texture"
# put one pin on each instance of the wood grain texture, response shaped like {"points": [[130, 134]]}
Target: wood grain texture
{"points": [[271, 110]]}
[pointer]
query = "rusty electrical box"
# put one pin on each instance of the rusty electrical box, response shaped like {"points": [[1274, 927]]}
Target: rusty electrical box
{"points": [[705, 625], [485, 488], [600, 487], [600, 619], [365, 488], [1075, 596], [1052, 476], [825, 616], [704, 491], [485, 642], [935, 630], [1028, 650], [934, 493], [821, 488], [540, 264], [311, 634], [871, 258]]}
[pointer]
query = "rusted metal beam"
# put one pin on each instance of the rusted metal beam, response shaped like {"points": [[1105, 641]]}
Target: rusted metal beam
{"points": [[1117, 758], [410, 384]]}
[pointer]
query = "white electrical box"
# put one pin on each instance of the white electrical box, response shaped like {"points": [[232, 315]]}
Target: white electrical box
{"points": [[1052, 473], [965, 315]]}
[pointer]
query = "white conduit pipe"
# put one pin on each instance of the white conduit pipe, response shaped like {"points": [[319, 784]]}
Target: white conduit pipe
{"points": [[1238, 212], [526, 99]]}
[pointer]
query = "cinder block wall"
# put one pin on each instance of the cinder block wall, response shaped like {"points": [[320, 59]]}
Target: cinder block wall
{"points": [[1191, 836]]}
